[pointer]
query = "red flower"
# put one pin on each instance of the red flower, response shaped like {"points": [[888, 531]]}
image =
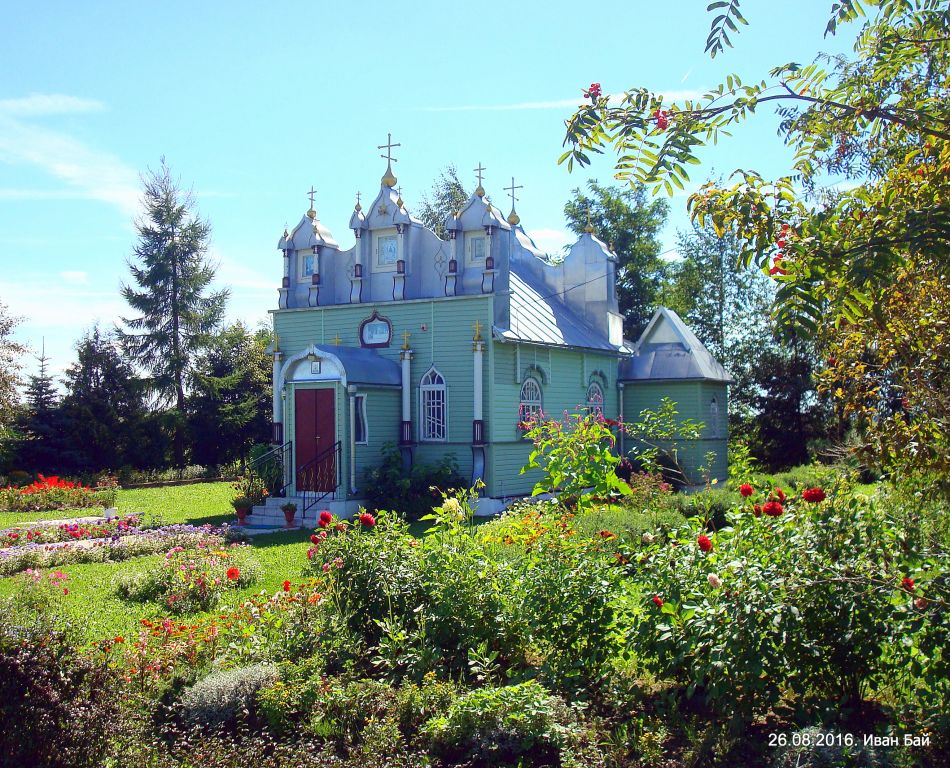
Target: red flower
{"points": [[593, 93], [314, 539], [367, 519], [779, 494], [286, 586], [657, 601], [233, 573], [773, 508], [705, 543], [662, 119], [119, 639], [907, 583], [813, 495], [325, 519], [746, 490], [757, 510]]}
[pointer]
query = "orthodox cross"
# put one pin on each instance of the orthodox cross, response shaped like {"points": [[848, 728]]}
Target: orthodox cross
{"points": [[389, 146], [405, 339], [357, 198], [511, 191], [311, 194], [478, 172], [477, 327], [337, 341], [399, 192]]}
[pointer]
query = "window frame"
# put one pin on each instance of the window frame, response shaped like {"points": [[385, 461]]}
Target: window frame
{"points": [[302, 260], [470, 241], [429, 388], [533, 405], [714, 418], [359, 417], [378, 238], [590, 404]]}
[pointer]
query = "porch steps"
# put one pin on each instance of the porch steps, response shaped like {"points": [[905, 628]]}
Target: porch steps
{"points": [[268, 517]]}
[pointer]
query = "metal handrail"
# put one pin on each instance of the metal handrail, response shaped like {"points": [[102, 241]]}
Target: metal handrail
{"points": [[281, 455], [306, 500]]}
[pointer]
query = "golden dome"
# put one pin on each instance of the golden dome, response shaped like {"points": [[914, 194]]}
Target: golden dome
{"points": [[389, 179], [513, 218]]}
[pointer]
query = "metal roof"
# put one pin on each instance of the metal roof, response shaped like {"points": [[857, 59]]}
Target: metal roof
{"points": [[363, 366], [544, 319], [669, 350]]}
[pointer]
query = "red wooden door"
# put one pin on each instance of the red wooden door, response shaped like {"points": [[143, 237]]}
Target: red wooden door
{"points": [[314, 438]]}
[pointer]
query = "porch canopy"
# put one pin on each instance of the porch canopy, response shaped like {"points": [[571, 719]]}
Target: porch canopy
{"points": [[360, 366]]}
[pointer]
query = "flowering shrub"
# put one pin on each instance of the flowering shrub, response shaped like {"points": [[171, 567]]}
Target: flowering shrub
{"points": [[70, 531], [53, 492], [807, 600], [192, 580], [389, 486]]}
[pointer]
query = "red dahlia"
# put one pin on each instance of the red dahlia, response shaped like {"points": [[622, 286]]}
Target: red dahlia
{"points": [[233, 573], [746, 490], [813, 495], [325, 518], [773, 508], [367, 519], [286, 586], [705, 543]]}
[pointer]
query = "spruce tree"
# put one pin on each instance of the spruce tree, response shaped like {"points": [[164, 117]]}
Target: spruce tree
{"points": [[10, 354], [42, 440], [177, 311]]}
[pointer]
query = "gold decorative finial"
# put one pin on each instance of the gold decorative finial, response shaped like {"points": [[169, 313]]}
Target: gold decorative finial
{"points": [[405, 340], [477, 327], [399, 197], [337, 341], [358, 206], [286, 231], [389, 179], [312, 213], [480, 190], [589, 228], [513, 218]]}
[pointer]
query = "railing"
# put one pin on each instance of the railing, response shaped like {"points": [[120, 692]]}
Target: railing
{"points": [[273, 469], [319, 477]]}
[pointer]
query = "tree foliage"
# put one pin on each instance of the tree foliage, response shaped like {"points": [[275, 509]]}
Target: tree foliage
{"points": [[177, 313], [625, 220], [881, 117], [10, 354], [41, 439], [446, 197]]}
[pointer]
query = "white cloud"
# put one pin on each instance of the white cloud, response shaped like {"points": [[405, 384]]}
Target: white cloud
{"points": [[40, 104], [551, 241], [88, 172], [233, 274], [75, 278], [614, 99]]}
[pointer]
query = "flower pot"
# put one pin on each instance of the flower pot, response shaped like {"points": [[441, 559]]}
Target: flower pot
{"points": [[289, 517], [241, 513]]}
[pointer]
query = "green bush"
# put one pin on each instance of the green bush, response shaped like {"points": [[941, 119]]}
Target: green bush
{"points": [[500, 726], [225, 696], [411, 494]]}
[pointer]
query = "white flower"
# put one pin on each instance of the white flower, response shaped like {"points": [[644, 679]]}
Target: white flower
{"points": [[714, 581], [647, 538]]}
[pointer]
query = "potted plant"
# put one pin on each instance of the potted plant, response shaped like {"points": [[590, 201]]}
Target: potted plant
{"points": [[242, 506], [289, 509]]}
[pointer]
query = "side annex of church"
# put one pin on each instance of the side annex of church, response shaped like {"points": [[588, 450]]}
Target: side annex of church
{"points": [[443, 346]]}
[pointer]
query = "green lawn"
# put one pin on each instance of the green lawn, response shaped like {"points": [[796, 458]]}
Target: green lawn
{"points": [[92, 602]]}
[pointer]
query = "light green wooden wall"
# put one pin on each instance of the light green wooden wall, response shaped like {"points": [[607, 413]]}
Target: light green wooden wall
{"points": [[446, 341], [692, 400], [564, 375]]}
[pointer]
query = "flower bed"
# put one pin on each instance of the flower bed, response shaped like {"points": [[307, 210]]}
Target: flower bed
{"points": [[56, 493], [101, 528], [114, 548]]}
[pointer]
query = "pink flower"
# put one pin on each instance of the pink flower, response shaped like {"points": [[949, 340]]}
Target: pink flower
{"points": [[714, 581], [593, 93], [326, 567]]}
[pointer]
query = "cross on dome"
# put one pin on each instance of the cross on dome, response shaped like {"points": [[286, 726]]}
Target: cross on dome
{"points": [[513, 218], [480, 190], [389, 179], [312, 212]]}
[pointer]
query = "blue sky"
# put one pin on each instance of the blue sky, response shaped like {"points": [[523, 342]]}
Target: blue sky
{"points": [[251, 105]]}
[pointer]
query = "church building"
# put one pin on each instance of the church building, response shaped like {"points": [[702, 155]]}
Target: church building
{"points": [[444, 346]]}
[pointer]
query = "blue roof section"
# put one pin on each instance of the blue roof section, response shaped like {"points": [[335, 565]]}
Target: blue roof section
{"points": [[544, 319], [364, 366], [669, 351]]}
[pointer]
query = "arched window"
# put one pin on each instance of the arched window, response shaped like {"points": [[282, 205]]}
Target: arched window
{"points": [[530, 405], [595, 398], [714, 418], [432, 407]]}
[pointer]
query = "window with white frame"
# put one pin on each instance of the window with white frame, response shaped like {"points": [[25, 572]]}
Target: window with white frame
{"points": [[308, 266], [714, 418], [530, 403], [476, 247], [360, 434], [432, 407], [595, 398]]}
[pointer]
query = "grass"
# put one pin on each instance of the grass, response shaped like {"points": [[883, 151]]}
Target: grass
{"points": [[92, 603]]}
